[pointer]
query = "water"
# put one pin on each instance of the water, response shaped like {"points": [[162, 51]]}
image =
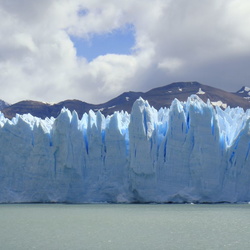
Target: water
{"points": [[106, 226]]}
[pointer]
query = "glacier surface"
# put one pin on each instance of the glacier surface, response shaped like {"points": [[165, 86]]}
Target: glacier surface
{"points": [[191, 152]]}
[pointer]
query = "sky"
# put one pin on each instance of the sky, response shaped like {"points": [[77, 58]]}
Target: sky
{"points": [[94, 50]]}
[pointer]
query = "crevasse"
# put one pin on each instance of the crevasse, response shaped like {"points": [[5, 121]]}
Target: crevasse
{"points": [[191, 152]]}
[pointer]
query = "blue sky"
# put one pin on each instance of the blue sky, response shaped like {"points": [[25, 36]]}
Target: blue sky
{"points": [[94, 50], [118, 41]]}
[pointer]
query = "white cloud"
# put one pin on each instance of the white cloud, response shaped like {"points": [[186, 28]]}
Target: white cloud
{"points": [[171, 64], [176, 40]]}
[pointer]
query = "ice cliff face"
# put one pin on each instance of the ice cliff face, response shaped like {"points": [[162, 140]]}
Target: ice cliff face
{"points": [[188, 153]]}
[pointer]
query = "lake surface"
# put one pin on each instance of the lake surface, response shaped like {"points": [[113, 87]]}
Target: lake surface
{"points": [[109, 226]]}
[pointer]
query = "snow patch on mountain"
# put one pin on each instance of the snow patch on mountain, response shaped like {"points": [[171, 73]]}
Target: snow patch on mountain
{"points": [[111, 107], [200, 92], [247, 89], [101, 109], [49, 103]]}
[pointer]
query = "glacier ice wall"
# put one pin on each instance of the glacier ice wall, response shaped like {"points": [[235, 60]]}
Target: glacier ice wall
{"points": [[191, 152]]}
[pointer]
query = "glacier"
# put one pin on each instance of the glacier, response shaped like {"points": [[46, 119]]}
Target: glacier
{"points": [[191, 152]]}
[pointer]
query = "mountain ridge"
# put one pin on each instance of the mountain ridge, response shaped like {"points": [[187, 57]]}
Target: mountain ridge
{"points": [[157, 97]]}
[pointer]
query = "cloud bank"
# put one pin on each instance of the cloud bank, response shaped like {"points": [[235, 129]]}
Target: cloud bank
{"points": [[175, 40]]}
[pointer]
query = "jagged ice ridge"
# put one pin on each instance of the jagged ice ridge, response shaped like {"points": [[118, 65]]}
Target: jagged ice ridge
{"points": [[191, 152]]}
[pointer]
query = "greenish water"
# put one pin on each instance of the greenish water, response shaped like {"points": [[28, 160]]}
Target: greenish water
{"points": [[107, 226]]}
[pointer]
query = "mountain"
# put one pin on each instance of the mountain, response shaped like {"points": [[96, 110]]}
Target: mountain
{"points": [[163, 96], [157, 97], [191, 152], [244, 92], [43, 110]]}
